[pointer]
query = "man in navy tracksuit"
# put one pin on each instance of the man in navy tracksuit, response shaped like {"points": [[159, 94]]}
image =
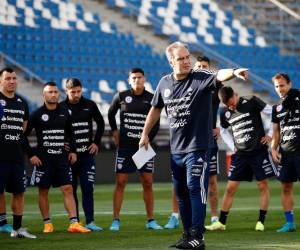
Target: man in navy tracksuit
{"points": [[186, 96], [83, 112]]}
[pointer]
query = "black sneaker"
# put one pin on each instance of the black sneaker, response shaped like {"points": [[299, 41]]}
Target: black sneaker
{"points": [[195, 241], [184, 237]]}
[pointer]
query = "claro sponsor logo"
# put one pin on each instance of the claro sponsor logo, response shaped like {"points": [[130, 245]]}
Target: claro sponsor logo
{"points": [[54, 152], [244, 139], [178, 124], [12, 137], [133, 135], [82, 149], [289, 137]]}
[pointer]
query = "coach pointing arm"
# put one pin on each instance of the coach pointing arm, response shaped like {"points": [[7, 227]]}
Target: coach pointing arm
{"points": [[227, 74], [154, 113]]}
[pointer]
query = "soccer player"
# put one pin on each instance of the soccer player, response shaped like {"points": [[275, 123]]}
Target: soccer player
{"points": [[286, 144], [186, 96], [250, 143], [12, 170], [83, 113], [134, 105], [203, 62], [52, 124]]}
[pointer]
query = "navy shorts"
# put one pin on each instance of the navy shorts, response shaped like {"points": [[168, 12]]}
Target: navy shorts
{"points": [[259, 164], [12, 177], [213, 162], [125, 164], [289, 169], [55, 172]]}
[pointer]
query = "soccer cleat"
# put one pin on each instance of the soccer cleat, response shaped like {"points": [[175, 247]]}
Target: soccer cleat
{"points": [[22, 233], [48, 228], [287, 227], [153, 225], [259, 226], [184, 237], [194, 241], [172, 223], [93, 227], [6, 228], [77, 228], [115, 225], [216, 226]]}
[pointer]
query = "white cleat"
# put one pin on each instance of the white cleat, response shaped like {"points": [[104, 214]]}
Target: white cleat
{"points": [[22, 233]]}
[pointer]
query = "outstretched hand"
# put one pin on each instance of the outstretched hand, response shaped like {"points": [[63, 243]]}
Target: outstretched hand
{"points": [[241, 73]]}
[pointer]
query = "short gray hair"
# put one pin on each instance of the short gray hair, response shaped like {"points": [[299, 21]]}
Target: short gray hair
{"points": [[172, 46]]}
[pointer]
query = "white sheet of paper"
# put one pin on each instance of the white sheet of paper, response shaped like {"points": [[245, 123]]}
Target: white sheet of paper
{"points": [[141, 157]]}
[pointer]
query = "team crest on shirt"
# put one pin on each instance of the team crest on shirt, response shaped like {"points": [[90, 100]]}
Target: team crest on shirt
{"points": [[45, 117], [279, 108], [128, 99], [120, 165], [167, 93], [227, 114], [3, 102], [200, 160]]}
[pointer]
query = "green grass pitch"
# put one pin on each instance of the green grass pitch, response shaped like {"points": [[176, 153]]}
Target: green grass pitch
{"points": [[239, 234]]}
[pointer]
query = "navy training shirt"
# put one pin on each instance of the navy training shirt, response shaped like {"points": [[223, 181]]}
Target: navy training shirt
{"points": [[83, 114], [53, 129], [246, 124], [188, 104], [288, 118], [15, 113], [133, 112]]}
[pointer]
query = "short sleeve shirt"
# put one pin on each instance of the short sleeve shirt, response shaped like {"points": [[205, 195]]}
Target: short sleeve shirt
{"points": [[246, 124], [15, 113], [188, 104], [289, 122]]}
